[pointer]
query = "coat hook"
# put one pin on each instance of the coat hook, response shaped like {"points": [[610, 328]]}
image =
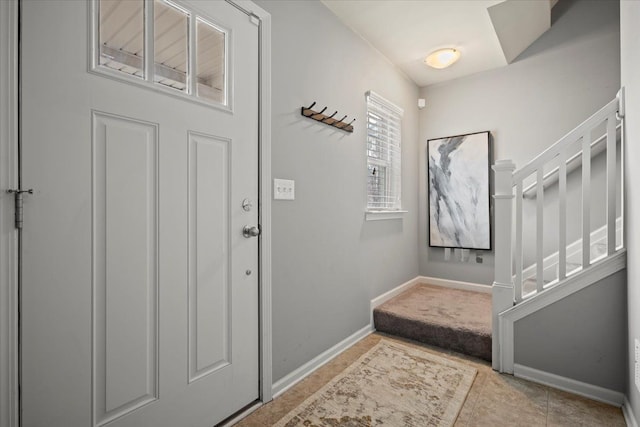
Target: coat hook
{"points": [[331, 116], [318, 116], [345, 116], [343, 125], [307, 111]]}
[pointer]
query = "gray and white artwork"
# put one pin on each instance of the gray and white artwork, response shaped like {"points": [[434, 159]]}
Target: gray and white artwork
{"points": [[458, 180]]}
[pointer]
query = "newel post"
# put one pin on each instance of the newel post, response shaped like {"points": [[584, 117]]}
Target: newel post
{"points": [[502, 290]]}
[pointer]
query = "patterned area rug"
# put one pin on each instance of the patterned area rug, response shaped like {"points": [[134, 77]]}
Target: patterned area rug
{"points": [[390, 385]]}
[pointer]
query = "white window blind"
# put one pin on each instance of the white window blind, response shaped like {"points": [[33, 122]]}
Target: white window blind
{"points": [[384, 124]]}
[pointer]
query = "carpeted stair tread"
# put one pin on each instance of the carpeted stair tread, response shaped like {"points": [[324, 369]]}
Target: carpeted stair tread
{"points": [[449, 318]]}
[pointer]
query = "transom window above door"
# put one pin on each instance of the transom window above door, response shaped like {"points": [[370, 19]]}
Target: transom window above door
{"points": [[163, 44]]}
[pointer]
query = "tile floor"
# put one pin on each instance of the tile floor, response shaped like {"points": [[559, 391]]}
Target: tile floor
{"points": [[494, 400]]}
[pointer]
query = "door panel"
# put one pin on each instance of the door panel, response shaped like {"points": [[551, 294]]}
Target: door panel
{"points": [[209, 244], [136, 306], [124, 264]]}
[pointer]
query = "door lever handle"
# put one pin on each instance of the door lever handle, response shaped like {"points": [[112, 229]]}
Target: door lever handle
{"points": [[252, 231]]}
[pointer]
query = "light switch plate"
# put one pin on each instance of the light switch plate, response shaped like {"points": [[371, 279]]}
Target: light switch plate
{"points": [[284, 189]]}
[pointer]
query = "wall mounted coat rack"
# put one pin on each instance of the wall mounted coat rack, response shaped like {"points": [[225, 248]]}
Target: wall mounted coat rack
{"points": [[319, 116]]}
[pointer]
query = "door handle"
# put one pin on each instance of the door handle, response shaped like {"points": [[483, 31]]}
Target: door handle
{"points": [[252, 231]]}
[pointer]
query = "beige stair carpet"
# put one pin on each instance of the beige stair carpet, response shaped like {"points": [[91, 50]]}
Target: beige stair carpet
{"points": [[390, 385], [448, 318]]}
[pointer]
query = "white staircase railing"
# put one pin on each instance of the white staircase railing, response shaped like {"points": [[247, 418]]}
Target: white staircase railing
{"points": [[573, 261], [509, 184]]}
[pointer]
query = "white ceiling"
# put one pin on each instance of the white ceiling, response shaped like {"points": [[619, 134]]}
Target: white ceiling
{"points": [[488, 33]]}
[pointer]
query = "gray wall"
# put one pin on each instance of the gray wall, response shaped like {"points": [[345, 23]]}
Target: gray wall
{"points": [[630, 65], [328, 262], [565, 76], [582, 336]]}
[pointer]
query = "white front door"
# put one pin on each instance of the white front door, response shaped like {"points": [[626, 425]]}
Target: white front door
{"points": [[139, 292]]}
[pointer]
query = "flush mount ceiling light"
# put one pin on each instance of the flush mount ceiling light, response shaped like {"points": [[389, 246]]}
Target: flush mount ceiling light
{"points": [[442, 58]]}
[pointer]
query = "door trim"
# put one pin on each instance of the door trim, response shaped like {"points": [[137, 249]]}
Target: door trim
{"points": [[264, 219], [264, 203], [9, 98], [9, 132]]}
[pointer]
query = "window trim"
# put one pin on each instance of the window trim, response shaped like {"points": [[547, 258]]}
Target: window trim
{"points": [[373, 213]]}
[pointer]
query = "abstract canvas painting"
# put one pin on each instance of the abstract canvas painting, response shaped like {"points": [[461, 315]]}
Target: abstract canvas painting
{"points": [[458, 183]]}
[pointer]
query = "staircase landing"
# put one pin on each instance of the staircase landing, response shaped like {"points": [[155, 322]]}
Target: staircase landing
{"points": [[448, 318]]}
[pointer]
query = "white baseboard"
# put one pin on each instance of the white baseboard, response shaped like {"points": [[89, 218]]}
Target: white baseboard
{"points": [[580, 388], [379, 300], [629, 416], [454, 284], [308, 368]]}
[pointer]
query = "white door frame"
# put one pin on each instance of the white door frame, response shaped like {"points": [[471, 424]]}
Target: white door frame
{"points": [[9, 242], [8, 236], [264, 174]]}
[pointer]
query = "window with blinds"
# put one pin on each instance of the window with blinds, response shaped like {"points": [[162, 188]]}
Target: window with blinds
{"points": [[384, 123]]}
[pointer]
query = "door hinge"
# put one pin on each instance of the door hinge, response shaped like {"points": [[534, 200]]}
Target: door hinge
{"points": [[19, 205]]}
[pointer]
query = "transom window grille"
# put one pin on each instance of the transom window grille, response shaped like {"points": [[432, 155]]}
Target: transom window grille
{"points": [[162, 43], [384, 124]]}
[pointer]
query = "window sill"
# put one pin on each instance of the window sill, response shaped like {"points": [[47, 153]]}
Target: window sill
{"points": [[382, 215]]}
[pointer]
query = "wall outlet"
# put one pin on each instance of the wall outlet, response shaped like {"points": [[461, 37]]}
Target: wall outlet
{"points": [[284, 189]]}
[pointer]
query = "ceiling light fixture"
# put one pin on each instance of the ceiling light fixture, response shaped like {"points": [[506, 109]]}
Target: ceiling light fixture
{"points": [[442, 58]]}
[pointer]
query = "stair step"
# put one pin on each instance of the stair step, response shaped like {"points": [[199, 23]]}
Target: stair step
{"points": [[448, 318]]}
